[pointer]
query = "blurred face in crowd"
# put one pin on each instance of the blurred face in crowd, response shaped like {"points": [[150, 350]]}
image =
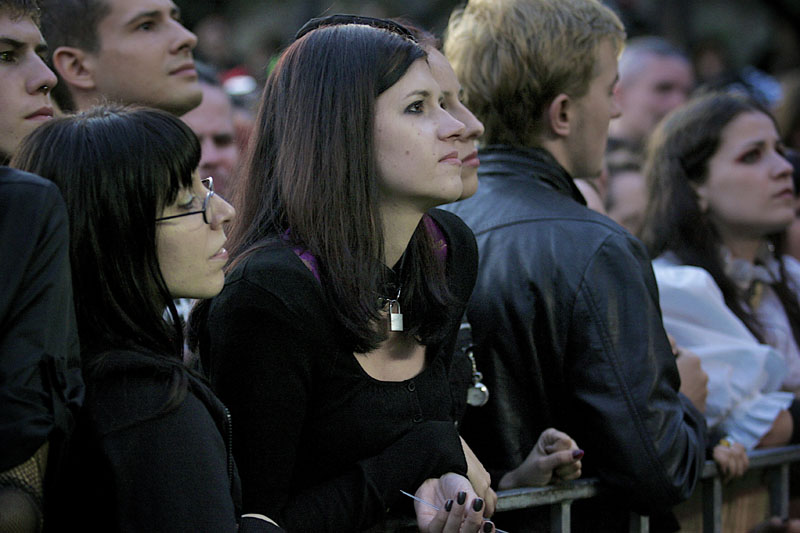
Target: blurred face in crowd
{"points": [[662, 84], [416, 143], [145, 57], [473, 128], [212, 122], [592, 112], [25, 81], [748, 193], [190, 251]]}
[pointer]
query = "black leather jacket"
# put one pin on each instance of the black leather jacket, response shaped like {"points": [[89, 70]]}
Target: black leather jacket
{"points": [[566, 318]]}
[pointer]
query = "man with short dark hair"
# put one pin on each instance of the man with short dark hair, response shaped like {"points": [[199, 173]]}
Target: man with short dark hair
{"points": [[124, 51], [565, 311], [40, 382], [25, 79]]}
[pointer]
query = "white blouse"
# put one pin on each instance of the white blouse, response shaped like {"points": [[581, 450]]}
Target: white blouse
{"points": [[745, 376]]}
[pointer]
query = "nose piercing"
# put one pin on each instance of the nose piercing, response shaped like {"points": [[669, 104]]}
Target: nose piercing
{"points": [[46, 88]]}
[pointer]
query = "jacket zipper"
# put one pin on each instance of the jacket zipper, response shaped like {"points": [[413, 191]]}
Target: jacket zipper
{"points": [[229, 432]]}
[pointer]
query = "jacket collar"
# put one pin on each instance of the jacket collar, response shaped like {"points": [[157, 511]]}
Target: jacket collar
{"points": [[535, 163]]}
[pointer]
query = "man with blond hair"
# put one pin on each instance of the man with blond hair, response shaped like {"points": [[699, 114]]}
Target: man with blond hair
{"points": [[565, 311]]}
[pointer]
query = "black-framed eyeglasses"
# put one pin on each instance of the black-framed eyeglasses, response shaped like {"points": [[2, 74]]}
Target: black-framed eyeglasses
{"points": [[340, 20], [207, 216]]}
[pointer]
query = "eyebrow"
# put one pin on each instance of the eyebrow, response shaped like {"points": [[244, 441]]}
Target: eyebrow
{"points": [[40, 48], [174, 12], [419, 92]]}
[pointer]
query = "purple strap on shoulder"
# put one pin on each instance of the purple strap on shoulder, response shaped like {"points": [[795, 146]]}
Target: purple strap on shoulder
{"points": [[305, 256], [433, 229], [437, 236]]}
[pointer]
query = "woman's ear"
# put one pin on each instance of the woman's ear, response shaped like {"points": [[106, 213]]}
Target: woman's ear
{"points": [[701, 191]]}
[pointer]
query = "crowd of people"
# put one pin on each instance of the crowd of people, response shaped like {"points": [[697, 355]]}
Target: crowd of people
{"points": [[210, 325]]}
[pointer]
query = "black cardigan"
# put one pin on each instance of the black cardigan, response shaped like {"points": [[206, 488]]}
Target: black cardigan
{"points": [[321, 445], [135, 466]]}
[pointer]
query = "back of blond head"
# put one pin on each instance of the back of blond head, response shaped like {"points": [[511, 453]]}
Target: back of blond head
{"points": [[513, 57]]}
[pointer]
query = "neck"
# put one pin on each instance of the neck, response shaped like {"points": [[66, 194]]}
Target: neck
{"points": [[558, 150], [398, 228], [743, 248]]}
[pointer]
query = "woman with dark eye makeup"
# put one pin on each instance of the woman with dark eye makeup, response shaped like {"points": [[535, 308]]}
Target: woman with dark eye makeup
{"points": [[721, 198], [332, 341]]}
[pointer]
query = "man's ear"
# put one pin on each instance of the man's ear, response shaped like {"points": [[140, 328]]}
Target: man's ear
{"points": [[75, 67], [559, 113]]}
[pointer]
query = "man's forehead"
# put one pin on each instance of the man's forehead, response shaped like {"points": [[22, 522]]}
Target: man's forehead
{"points": [[19, 29], [122, 11]]}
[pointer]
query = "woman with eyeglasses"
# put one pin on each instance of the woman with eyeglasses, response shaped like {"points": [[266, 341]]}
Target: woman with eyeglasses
{"points": [[151, 450], [333, 338]]}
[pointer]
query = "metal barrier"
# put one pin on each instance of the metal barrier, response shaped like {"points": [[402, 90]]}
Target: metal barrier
{"points": [[775, 461]]}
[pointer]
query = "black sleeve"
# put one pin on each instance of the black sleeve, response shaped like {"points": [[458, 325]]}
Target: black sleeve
{"points": [[262, 367], [41, 387], [625, 384], [168, 473]]}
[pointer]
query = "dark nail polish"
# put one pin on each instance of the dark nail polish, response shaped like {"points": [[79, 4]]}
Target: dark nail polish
{"points": [[477, 505], [577, 454], [462, 497], [448, 505], [487, 527]]}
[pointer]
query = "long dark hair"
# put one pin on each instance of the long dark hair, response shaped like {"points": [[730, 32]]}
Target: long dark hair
{"points": [[310, 178], [677, 161], [117, 168]]}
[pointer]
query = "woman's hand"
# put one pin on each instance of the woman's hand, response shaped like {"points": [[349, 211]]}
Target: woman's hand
{"points": [[480, 479], [780, 433], [555, 457], [731, 460], [460, 508]]}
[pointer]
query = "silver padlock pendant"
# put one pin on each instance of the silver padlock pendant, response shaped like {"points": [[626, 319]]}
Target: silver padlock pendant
{"points": [[395, 316], [477, 395]]}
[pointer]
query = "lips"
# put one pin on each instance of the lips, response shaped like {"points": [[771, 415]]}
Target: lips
{"points": [[451, 158], [43, 113], [186, 68], [471, 160], [222, 254]]}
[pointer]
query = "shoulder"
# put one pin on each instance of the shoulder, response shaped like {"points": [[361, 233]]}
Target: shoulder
{"points": [[675, 278], [29, 198], [128, 386]]}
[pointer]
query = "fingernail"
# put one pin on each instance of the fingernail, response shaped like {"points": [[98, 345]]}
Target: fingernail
{"points": [[462, 497], [487, 526], [477, 505], [448, 505], [577, 454]]}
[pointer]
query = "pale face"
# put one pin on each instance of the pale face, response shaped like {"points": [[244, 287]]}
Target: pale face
{"points": [[190, 252], [212, 122], [145, 57], [473, 128], [25, 82], [593, 111], [416, 142], [748, 193], [663, 84], [628, 191]]}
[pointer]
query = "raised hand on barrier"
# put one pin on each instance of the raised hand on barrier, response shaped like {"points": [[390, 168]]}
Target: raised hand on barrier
{"points": [[731, 459], [556, 457], [450, 505]]}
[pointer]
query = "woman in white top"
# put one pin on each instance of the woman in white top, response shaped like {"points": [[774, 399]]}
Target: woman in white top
{"points": [[720, 200]]}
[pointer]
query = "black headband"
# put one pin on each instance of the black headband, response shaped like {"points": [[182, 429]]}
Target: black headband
{"points": [[340, 20]]}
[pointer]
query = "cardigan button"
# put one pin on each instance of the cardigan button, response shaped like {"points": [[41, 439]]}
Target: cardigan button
{"points": [[417, 418], [412, 386]]}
